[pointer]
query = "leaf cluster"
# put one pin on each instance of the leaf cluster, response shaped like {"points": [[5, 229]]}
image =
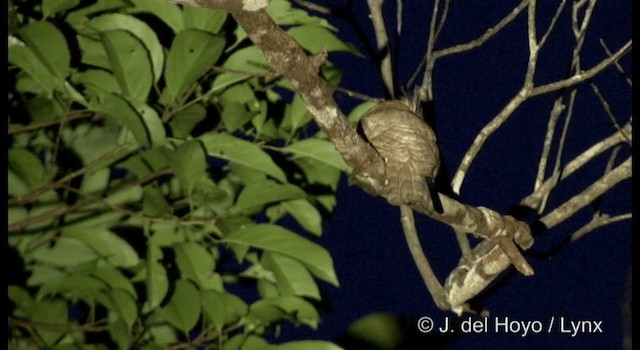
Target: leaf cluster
{"points": [[164, 185]]}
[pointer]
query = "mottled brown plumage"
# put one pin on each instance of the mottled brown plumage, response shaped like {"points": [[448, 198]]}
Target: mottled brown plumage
{"points": [[408, 146]]}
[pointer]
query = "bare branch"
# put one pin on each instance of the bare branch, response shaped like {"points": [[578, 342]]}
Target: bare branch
{"points": [[561, 143], [67, 209], [579, 201], [556, 111], [617, 64], [422, 263], [382, 41], [472, 277], [314, 7], [484, 135], [598, 221], [75, 115], [113, 155], [618, 137], [552, 25], [605, 106], [584, 76], [432, 56], [516, 101]]}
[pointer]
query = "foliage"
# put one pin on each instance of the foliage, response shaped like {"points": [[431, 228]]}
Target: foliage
{"points": [[154, 161]]}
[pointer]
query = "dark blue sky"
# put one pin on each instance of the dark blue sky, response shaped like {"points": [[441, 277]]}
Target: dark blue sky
{"points": [[583, 281]]}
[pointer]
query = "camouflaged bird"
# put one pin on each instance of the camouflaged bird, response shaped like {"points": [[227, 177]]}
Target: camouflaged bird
{"points": [[408, 146]]}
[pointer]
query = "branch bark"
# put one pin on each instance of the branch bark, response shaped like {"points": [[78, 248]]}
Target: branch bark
{"points": [[288, 59]]}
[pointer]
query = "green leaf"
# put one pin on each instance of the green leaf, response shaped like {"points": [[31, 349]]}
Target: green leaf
{"points": [[184, 121], [44, 273], [153, 49], [196, 264], [50, 7], [221, 307], [300, 309], [305, 345], [96, 181], [51, 312], [283, 14], [122, 304], [145, 127], [192, 53], [247, 175], [359, 110], [257, 194], [378, 330], [305, 214], [245, 341], [320, 150], [249, 59], [25, 58], [43, 109], [93, 52], [183, 309], [208, 20], [153, 124], [119, 331], [295, 115], [292, 277], [79, 17], [50, 46], [157, 285], [69, 285], [239, 105], [115, 279], [189, 163], [280, 240], [314, 39], [106, 243], [233, 149], [154, 204], [319, 173], [98, 82], [66, 252], [130, 63], [20, 298], [168, 13], [27, 167]]}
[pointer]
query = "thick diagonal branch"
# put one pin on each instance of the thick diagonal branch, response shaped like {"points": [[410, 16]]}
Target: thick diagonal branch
{"points": [[288, 59], [470, 278]]}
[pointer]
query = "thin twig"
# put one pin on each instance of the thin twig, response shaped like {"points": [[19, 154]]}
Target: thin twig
{"points": [[94, 327], [579, 201], [552, 25], [554, 116], [584, 76], [598, 221], [420, 259], [314, 7], [606, 107], [617, 64], [67, 209], [382, 41], [75, 115], [577, 163], [516, 101], [116, 153]]}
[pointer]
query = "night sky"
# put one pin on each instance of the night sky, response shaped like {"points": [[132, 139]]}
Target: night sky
{"points": [[585, 280]]}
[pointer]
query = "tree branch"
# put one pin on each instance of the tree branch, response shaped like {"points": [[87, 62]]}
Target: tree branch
{"points": [[286, 58], [597, 189], [422, 263], [470, 278], [382, 41]]}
